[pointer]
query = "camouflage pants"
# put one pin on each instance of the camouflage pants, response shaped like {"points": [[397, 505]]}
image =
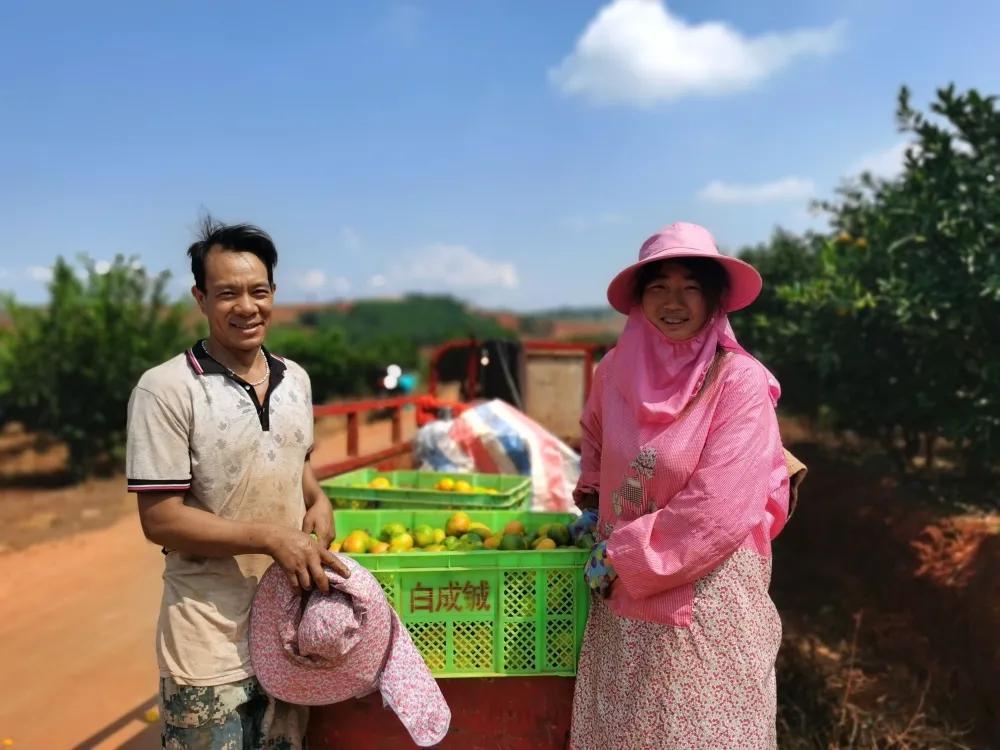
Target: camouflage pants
{"points": [[236, 716]]}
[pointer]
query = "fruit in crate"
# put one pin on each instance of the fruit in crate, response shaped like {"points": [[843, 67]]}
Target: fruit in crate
{"points": [[458, 524], [380, 483], [423, 536], [559, 534], [447, 484], [512, 542], [392, 529], [480, 528], [355, 543], [462, 486], [514, 527], [462, 533], [401, 543]]}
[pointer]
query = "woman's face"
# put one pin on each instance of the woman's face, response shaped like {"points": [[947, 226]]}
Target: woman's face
{"points": [[673, 301]]}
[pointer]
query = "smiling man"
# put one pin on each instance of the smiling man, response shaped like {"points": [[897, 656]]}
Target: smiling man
{"points": [[218, 453]]}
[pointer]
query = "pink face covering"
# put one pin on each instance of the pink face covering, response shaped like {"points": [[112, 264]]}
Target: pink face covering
{"points": [[657, 376]]}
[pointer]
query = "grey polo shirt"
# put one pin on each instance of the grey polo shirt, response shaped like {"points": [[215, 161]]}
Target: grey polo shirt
{"points": [[196, 428]]}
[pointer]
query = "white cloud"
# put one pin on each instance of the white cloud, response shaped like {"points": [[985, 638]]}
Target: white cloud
{"points": [[444, 266], [377, 281], [587, 222], [41, 274], [885, 164], [786, 189], [316, 280], [102, 267], [638, 52], [313, 280]]}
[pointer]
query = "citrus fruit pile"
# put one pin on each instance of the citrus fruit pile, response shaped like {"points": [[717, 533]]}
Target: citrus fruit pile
{"points": [[447, 484], [460, 534]]}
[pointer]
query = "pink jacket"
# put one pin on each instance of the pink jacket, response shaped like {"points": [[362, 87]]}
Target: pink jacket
{"points": [[677, 500]]}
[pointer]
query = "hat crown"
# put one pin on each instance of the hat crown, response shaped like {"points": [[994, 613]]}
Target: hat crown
{"points": [[350, 625], [333, 630], [680, 234]]}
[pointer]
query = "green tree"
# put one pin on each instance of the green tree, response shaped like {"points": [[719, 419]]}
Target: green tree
{"points": [[904, 312], [417, 318], [70, 365], [336, 367], [771, 328]]}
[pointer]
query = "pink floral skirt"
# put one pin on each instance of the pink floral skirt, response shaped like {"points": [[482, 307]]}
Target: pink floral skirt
{"points": [[644, 685]]}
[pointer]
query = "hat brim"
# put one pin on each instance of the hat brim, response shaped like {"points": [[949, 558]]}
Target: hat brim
{"points": [[409, 689], [744, 281]]}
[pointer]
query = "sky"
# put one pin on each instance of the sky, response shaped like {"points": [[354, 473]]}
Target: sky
{"points": [[512, 153]]}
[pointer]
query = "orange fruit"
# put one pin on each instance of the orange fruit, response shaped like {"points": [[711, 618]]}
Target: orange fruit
{"points": [[545, 544], [401, 543], [379, 548], [492, 542], [446, 485], [356, 543], [514, 527], [458, 524], [335, 546], [462, 486]]}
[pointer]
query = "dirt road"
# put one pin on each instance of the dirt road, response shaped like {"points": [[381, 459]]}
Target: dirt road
{"points": [[76, 640]]}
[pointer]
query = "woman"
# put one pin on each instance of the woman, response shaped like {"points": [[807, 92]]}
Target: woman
{"points": [[681, 455]]}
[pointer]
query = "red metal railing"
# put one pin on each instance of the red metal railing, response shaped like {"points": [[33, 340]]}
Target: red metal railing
{"points": [[353, 410]]}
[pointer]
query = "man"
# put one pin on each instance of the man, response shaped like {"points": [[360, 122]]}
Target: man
{"points": [[218, 454]]}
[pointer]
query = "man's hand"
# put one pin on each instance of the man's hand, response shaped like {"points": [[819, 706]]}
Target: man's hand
{"points": [[302, 559], [319, 521]]}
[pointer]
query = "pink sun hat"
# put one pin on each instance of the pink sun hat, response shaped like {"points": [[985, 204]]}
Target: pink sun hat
{"points": [[313, 649], [684, 240]]}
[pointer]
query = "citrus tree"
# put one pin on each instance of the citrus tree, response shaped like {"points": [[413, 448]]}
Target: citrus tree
{"points": [[901, 320], [70, 365]]}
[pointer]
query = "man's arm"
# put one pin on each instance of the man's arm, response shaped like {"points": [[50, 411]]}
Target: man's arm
{"points": [[319, 514], [167, 521]]}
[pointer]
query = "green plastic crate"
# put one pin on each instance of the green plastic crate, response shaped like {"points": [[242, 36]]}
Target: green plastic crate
{"points": [[415, 489], [484, 613]]}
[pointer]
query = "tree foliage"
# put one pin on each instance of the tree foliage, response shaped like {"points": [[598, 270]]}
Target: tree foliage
{"points": [[895, 315], [69, 366]]}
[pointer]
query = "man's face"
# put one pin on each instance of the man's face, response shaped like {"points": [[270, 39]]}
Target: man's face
{"points": [[237, 299]]}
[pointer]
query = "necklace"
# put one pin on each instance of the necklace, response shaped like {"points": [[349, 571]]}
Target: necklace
{"points": [[267, 367]]}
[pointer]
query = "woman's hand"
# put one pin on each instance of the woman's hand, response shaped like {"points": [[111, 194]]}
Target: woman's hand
{"points": [[599, 572], [585, 524]]}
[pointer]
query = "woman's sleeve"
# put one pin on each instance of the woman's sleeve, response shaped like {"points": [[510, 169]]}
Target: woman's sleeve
{"points": [[591, 436], [726, 497]]}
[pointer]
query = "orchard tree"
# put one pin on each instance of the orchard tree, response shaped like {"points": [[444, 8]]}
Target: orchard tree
{"points": [[70, 365]]}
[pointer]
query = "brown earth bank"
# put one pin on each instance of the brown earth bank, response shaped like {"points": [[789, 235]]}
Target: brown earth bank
{"points": [[891, 607]]}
